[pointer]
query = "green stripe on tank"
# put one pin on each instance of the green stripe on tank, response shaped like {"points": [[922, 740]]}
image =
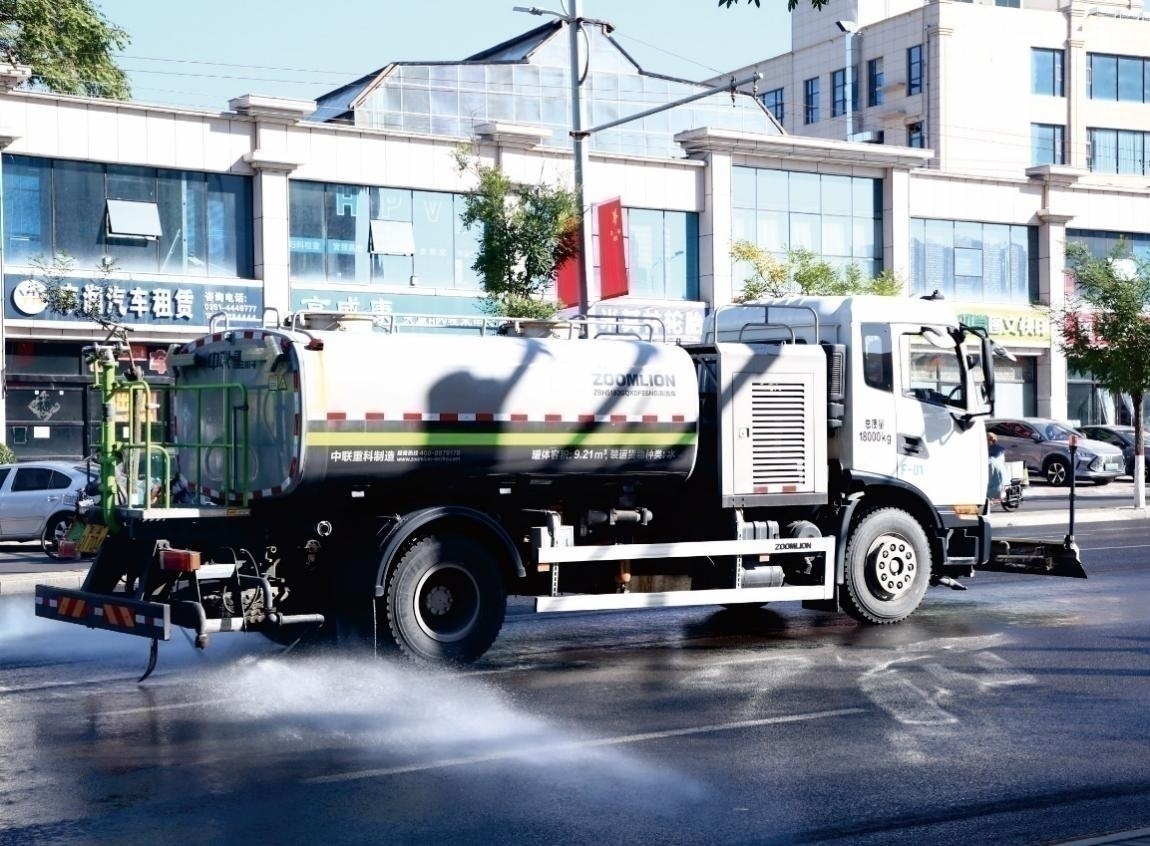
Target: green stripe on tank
{"points": [[500, 439]]}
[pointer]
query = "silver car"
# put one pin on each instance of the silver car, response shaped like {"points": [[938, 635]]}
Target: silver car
{"points": [[1044, 446], [38, 500]]}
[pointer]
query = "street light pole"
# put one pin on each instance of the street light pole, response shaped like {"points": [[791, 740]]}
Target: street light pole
{"points": [[580, 153]]}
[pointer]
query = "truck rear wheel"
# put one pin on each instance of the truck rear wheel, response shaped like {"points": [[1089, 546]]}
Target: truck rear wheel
{"points": [[446, 599], [887, 567]]}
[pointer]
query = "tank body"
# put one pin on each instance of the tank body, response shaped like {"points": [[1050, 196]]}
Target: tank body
{"points": [[431, 409]]}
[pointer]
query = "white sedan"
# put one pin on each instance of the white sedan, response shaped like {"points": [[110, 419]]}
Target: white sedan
{"points": [[38, 500]]}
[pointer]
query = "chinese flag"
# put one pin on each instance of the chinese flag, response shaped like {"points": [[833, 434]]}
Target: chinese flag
{"points": [[612, 258]]}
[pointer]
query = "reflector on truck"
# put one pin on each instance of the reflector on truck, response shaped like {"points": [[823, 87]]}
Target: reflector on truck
{"points": [[98, 611]]}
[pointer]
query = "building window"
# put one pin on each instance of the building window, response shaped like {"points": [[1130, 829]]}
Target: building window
{"points": [[976, 262], [914, 135], [1118, 151], [839, 92], [914, 69], [773, 102], [1124, 78], [1012, 4], [811, 100], [874, 82], [838, 218], [148, 220], [384, 236], [663, 254], [1046, 76], [1046, 143]]}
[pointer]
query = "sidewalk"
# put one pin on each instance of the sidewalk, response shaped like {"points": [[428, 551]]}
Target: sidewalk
{"points": [[23, 566]]}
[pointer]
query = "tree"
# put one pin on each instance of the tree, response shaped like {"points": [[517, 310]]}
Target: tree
{"points": [[791, 4], [68, 44], [1105, 330], [61, 296], [804, 273], [527, 232]]}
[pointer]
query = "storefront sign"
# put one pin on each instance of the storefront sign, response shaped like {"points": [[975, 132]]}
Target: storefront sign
{"points": [[1026, 326], [138, 301]]}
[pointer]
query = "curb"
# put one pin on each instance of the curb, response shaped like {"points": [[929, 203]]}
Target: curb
{"points": [[25, 583]]}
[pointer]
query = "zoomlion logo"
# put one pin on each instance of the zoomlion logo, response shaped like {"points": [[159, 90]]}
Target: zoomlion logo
{"points": [[632, 379]]}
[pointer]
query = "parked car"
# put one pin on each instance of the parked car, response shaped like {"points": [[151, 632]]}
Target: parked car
{"points": [[1121, 437], [38, 500], [1044, 446]]}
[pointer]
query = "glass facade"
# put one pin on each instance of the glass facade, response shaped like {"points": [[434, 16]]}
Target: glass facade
{"points": [[1046, 72], [55, 207], [839, 218], [529, 83], [331, 236], [1124, 78], [1047, 143], [358, 235], [663, 254], [1118, 151], [974, 262], [1102, 244]]}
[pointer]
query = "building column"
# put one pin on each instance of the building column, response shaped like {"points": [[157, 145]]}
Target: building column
{"points": [[716, 286], [896, 225], [1052, 393]]}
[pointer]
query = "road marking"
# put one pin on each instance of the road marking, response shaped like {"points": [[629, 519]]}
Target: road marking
{"points": [[579, 744]]}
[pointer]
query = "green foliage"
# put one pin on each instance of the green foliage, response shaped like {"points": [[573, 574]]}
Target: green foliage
{"points": [[1105, 327], [804, 273], [61, 296], [67, 43], [7, 456], [791, 4], [527, 232]]}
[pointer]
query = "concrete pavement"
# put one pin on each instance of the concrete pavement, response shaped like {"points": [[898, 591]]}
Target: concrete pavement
{"points": [[23, 566]]}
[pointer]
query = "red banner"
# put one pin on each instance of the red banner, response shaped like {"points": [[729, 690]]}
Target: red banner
{"points": [[567, 283], [612, 255]]}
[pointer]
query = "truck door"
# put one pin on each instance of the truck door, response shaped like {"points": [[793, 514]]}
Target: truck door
{"points": [[939, 448]]}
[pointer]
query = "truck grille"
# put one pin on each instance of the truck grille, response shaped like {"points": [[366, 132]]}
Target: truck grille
{"points": [[778, 434]]}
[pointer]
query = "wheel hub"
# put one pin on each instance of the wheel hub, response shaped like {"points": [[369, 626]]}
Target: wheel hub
{"points": [[894, 565], [447, 602]]}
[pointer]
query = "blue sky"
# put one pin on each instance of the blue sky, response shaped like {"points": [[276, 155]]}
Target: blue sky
{"points": [[203, 54]]}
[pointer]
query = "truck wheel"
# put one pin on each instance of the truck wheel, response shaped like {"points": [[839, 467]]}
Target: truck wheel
{"points": [[887, 567], [1057, 472], [446, 599], [55, 530]]}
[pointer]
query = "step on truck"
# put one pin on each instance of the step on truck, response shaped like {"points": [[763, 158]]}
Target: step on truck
{"points": [[325, 476]]}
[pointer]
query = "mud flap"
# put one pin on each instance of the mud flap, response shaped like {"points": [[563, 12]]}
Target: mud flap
{"points": [[1031, 556]]}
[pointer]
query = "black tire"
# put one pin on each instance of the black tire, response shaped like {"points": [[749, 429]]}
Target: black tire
{"points": [[888, 564], [446, 599], [1057, 472], [55, 530]]}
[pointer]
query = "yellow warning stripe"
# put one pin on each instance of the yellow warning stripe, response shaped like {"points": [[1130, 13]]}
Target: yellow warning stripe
{"points": [[119, 615]]}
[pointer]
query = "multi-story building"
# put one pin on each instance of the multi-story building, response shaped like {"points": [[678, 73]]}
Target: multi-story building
{"points": [[1038, 115], [352, 203]]}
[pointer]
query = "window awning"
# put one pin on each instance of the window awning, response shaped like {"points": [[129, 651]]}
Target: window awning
{"points": [[133, 219], [392, 238]]}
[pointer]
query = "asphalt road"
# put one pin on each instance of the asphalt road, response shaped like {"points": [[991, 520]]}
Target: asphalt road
{"points": [[1012, 713]]}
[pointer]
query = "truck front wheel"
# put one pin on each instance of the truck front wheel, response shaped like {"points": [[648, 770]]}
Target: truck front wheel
{"points": [[446, 599], [887, 567]]}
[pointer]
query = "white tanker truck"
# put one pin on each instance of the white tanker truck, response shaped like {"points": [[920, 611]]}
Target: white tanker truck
{"points": [[395, 488]]}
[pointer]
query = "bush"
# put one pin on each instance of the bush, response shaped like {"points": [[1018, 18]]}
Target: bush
{"points": [[6, 454]]}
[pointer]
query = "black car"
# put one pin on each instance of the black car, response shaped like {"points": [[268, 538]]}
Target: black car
{"points": [[1121, 437]]}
